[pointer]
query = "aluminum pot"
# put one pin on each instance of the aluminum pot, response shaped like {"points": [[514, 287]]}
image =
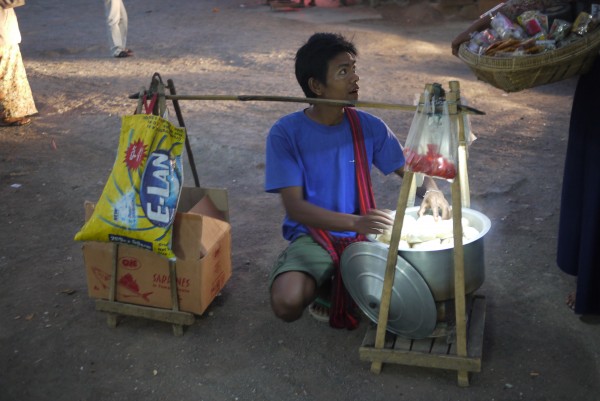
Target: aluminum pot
{"points": [[437, 266]]}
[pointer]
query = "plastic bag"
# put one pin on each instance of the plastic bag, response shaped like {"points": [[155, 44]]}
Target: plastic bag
{"points": [[139, 201], [431, 145]]}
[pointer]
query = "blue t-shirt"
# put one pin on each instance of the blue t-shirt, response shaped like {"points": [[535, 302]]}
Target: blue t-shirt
{"points": [[320, 159]]}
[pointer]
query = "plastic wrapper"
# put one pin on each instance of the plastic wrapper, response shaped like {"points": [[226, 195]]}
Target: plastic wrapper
{"points": [[582, 24], [431, 145], [559, 29], [546, 44], [139, 201], [534, 22], [506, 28]]}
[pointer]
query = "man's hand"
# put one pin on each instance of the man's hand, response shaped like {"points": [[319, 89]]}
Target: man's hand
{"points": [[374, 222], [435, 200]]}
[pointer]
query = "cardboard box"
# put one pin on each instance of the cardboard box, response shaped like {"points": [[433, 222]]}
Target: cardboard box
{"points": [[201, 242]]}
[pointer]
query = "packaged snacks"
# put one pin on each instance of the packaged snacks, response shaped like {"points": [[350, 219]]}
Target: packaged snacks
{"points": [[559, 29], [582, 24], [533, 22], [529, 32], [139, 201], [505, 28]]}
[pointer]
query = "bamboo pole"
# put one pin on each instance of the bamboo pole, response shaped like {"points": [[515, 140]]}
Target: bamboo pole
{"points": [[291, 99]]}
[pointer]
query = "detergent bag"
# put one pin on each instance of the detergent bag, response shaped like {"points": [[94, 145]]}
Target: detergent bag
{"points": [[139, 201]]}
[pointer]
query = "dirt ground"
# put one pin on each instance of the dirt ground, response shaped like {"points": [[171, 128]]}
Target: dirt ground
{"points": [[55, 346]]}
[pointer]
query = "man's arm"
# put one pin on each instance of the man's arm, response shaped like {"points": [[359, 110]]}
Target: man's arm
{"points": [[298, 209]]}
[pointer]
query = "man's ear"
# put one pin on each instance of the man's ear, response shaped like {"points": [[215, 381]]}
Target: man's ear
{"points": [[316, 86]]}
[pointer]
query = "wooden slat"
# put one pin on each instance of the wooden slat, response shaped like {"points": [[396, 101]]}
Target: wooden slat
{"points": [[440, 346], [423, 345], [403, 344], [163, 315], [173, 277], [370, 336], [451, 362], [476, 327]]}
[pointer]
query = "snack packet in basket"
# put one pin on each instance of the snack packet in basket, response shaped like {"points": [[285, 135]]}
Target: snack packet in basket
{"points": [[139, 201]]}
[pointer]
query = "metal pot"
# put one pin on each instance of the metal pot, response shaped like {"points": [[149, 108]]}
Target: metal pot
{"points": [[423, 279], [437, 266]]}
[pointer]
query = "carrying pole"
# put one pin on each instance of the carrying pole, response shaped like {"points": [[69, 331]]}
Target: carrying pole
{"points": [[290, 99]]}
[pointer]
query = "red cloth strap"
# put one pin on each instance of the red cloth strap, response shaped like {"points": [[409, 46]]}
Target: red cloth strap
{"points": [[149, 107], [342, 312]]}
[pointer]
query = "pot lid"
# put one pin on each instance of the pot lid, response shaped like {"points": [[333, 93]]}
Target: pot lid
{"points": [[412, 314]]}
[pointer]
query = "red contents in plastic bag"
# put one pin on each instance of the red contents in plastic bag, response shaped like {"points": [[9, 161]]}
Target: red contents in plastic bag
{"points": [[432, 163]]}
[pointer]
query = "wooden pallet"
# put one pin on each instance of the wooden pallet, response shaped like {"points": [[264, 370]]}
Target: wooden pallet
{"points": [[435, 352]]}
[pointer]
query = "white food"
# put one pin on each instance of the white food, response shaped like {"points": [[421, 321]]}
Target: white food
{"points": [[426, 233]]}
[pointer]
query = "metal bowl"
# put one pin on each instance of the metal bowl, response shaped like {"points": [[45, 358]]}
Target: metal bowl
{"points": [[437, 266]]}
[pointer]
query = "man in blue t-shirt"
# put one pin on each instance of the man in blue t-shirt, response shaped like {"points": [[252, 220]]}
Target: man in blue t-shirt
{"points": [[310, 162]]}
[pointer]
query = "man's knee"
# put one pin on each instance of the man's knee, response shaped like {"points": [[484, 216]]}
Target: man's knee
{"points": [[290, 294], [287, 307]]}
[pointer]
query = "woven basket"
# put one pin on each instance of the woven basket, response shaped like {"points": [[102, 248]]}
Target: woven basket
{"points": [[513, 74]]}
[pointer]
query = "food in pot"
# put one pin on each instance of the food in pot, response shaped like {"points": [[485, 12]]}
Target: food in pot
{"points": [[427, 233]]}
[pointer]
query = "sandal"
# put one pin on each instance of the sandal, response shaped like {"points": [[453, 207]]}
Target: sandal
{"points": [[319, 310], [123, 54], [16, 122]]}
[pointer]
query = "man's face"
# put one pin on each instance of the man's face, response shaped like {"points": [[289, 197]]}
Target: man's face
{"points": [[342, 80]]}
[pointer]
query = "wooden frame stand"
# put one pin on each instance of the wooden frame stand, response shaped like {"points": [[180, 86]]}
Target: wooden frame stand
{"points": [[115, 308], [463, 352]]}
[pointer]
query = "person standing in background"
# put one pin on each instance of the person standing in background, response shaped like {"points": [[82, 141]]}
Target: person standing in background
{"points": [[116, 22], [578, 253], [16, 100]]}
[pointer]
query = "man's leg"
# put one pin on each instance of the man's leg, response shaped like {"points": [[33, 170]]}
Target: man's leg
{"points": [[296, 277], [291, 293], [113, 25], [123, 25]]}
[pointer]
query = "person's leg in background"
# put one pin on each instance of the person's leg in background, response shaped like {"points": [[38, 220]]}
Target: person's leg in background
{"points": [[116, 22]]}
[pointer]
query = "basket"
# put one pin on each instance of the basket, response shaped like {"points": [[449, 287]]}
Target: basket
{"points": [[513, 74]]}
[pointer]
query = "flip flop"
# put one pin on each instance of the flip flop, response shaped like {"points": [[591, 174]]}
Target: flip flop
{"points": [[15, 123], [319, 310], [123, 54]]}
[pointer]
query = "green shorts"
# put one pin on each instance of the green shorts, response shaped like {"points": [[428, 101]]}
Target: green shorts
{"points": [[304, 255]]}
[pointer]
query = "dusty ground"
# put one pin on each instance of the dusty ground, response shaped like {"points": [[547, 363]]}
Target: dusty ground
{"points": [[55, 346]]}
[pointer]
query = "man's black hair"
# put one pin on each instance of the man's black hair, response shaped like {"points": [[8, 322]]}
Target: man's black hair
{"points": [[312, 58]]}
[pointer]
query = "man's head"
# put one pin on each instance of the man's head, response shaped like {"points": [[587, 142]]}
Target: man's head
{"points": [[314, 57]]}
